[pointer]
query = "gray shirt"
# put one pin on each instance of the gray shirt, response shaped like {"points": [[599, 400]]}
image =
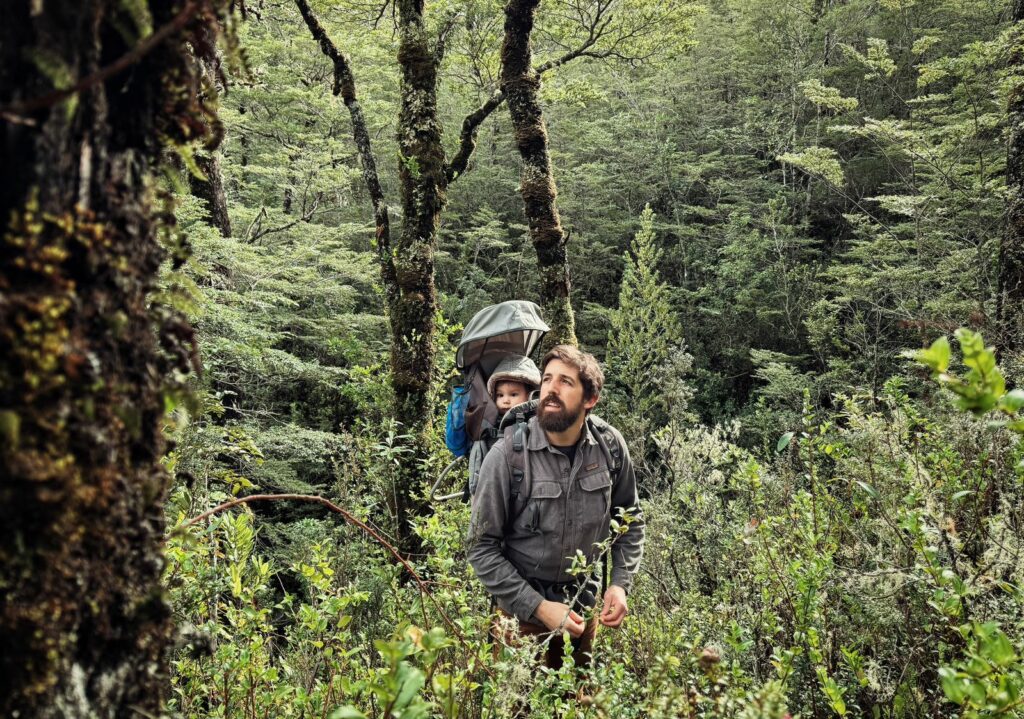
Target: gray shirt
{"points": [[569, 508]]}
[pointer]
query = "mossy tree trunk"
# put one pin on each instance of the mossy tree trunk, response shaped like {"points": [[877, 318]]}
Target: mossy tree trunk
{"points": [[521, 84], [1010, 303], [210, 187], [407, 265], [423, 182], [87, 356]]}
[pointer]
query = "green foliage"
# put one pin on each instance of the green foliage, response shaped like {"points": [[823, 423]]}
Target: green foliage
{"points": [[823, 188], [821, 162], [991, 679], [646, 356]]}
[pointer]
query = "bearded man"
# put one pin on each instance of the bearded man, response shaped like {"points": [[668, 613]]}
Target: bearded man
{"points": [[549, 493]]}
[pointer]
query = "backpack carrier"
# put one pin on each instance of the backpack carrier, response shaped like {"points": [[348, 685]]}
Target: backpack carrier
{"points": [[509, 328], [471, 427]]}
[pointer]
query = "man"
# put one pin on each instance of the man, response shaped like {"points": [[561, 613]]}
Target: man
{"points": [[533, 509]]}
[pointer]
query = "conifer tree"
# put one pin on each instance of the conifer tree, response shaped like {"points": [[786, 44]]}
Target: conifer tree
{"points": [[645, 346]]}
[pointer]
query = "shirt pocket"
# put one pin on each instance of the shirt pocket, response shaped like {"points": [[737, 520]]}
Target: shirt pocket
{"points": [[543, 511], [595, 496]]}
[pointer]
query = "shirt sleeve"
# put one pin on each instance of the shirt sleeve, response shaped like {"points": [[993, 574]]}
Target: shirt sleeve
{"points": [[628, 548], [487, 532]]}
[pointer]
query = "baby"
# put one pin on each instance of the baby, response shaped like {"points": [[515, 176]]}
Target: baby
{"points": [[512, 381]]}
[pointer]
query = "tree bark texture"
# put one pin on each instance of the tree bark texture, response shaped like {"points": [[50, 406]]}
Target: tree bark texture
{"points": [[210, 187], [521, 82], [211, 191], [423, 182], [86, 356], [1010, 300]]}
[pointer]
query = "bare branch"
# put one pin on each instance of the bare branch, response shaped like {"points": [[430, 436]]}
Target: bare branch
{"points": [[470, 129], [345, 85], [471, 124], [383, 9], [306, 217], [442, 36]]}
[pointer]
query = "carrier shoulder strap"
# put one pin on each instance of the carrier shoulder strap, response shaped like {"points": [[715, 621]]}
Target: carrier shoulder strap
{"points": [[515, 440], [613, 452], [609, 443], [516, 437]]}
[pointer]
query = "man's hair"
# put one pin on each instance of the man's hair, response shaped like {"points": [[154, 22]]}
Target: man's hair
{"points": [[585, 363]]}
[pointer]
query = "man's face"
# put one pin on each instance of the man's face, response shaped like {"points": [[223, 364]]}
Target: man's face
{"points": [[509, 394], [561, 395]]}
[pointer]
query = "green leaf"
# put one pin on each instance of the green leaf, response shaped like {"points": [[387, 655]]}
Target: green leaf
{"points": [[784, 441], [997, 647], [936, 357], [1012, 401], [871, 491], [347, 712]]}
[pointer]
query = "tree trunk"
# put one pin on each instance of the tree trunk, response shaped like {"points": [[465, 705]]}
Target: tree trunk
{"points": [[407, 269], [211, 191], [1010, 300], [421, 172], [83, 372], [521, 82]]}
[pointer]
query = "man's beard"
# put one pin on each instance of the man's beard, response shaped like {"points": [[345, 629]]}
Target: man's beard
{"points": [[556, 420]]}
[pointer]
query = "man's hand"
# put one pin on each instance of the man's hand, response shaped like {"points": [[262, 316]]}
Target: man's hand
{"points": [[557, 616], [615, 607]]}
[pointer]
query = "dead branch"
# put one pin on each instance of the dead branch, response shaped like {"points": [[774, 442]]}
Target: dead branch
{"points": [[307, 215], [345, 86]]}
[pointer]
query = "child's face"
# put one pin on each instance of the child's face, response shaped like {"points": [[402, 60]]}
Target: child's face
{"points": [[508, 394]]}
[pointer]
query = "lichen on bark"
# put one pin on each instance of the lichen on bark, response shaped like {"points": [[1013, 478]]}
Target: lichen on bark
{"points": [[520, 83]]}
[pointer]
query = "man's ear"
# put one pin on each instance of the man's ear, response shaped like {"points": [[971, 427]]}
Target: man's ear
{"points": [[588, 404]]}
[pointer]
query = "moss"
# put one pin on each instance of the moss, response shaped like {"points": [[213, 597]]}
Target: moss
{"points": [[80, 489]]}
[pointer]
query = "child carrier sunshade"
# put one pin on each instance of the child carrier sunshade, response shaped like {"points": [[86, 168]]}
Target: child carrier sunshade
{"points": [[495, 332]]}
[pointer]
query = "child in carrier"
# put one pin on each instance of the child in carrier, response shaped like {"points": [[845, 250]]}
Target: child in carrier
{"points": [[497, 376], [509, 385], [512, 382]]}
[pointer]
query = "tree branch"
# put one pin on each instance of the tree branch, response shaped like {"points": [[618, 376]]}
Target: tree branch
{"points": [[345, 85], [16, 112], [470, 129], [442, 36], [471, 124], [306, 217]]}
